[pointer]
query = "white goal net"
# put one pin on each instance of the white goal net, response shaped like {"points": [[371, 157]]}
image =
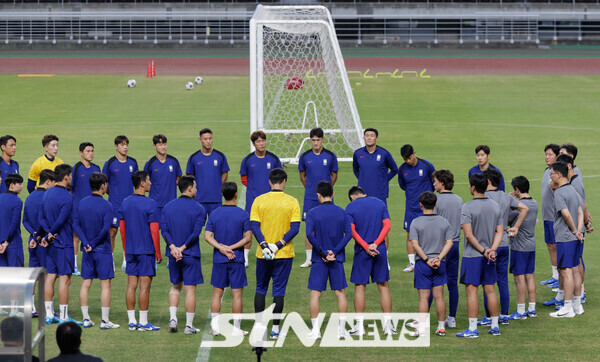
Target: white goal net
{"points": [[298, 81]]}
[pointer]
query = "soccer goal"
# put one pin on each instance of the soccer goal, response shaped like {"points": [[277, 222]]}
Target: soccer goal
{"points": [[298, 81]]}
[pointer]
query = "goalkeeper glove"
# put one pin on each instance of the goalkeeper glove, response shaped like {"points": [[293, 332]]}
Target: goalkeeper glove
{"points": [[267, 253], [276, 247]]}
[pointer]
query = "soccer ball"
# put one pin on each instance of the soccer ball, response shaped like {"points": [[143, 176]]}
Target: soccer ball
{"points": [[199, 80], [189, 86], [131, 83]]}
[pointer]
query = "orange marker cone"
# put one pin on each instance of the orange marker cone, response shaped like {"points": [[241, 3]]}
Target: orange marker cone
{"points": [[149, 73], [153, 69]]}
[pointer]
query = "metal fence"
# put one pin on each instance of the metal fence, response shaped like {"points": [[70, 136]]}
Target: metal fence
{"points": [[194, 27]]}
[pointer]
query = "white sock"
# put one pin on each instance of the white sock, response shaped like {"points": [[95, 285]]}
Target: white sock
{"points": [[173, 313], [49, 309], [387, 321], [569, 304], [582, 288], [143, 317], [214, 321], [411, 258], [473, 324], [13, 306], [246, 254], [64, 311], [576, 301], [75, 260], [495, 322], [105, 313], [275, 328], [189, 319], [441, 325], [521, 308], [560, 295], [84, 312], [531, 306], [309, 255], [131, 316], [555, 272], [33, 307], [450, 319], [342, 323], [359, 322], [237, 320], [315, 324]]}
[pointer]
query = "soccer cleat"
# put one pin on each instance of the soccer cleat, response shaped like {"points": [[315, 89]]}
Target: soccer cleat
{"points": [[563, 313], [314, 335], [548, 281], [553, 285], [555, 290], [532, 314], [551, 302], [237, 332], [306, 264], [494, 331], [191, 330], [389, 331], [440, 332], [87, 323], [35, 314], [357, 330], [124, 265], [17, 314], [52, 320], [76, 272], [133, 326], [274, 335], [173, 326], [69, 319], [214, 332], [409, 268], [583, 298], [503, 320], [450, 322], [578, 311], [467, 333], [413, 324], [485, 321], [517, 315], [559, 305], [342, 333], [147, 327], [246, 264], [108, 325]]}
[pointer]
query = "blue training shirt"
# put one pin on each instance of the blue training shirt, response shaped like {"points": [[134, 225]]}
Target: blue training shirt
{"points": [[92, 221], [475, 170], [318, 168], [328, 227], [367, 215], [207, 170], [371, 170], [138, 212], [56, 217], [10, 220], [163, 176], [119, 174], [33, 206], [257, 169], [81, 181], [5, 170], [415, 180], [181, 224], [228, 223]]}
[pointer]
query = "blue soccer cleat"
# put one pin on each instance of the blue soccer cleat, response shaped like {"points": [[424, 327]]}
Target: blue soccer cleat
{"points": [[517, 316], [494, 331], [274, 335], [583, 298], [69, 319], [133, 326], [503, 320], [532, 314], [549, 281], [52, 320], [553, 285], [147, 327], [467, 333], [551, 302], [485, 321]]}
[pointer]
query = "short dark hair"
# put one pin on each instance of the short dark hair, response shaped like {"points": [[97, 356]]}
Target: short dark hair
{"points": [[138, 177], [428, 200], [554, 147], [277, 176], [325, 189], [229, 189], [48, 138], [120, 139], [355, 190], [97, 179], [83, 145], [61, 171], [371, 129], [205, 130], [47, 174], [13, 178], [4, 139], [566, 159], [479, 181], [445, 177], [256, 135], [318, 132], [521, 183], [185, 182], [571, 149], [484, 148], [11, 329], [493, 175], [68, 337], [561, 168], [406, 151], [159, 138]]}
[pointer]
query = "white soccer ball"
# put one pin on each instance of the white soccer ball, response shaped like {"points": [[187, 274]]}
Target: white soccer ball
{"points": [[199, 80], [189, 86], [131, 83]]}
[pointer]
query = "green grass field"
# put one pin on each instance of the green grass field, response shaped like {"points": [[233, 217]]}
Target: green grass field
{"points": [[443, 117]]}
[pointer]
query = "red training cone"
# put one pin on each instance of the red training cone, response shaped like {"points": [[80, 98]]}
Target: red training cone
{"points": [[149, 73], [153, 69]]}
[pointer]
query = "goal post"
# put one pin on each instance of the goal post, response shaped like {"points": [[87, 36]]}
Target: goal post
{"points": [[298, 81]]}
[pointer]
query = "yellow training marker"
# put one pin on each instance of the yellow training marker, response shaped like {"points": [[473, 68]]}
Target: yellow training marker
{"points": [[36, 75]]}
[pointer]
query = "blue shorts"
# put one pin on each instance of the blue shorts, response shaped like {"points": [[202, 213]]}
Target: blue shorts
{"points": [[60, 261], [365, 267], [409, 216], [549, 232], [141, 265], [278, 270], [210, 206], [477, 271], [37, 257], [13, 257], [187, 270], [567, 254], [320, 272], [97, 266], [116, 216], [308, 204], [522, 262], [229, 274], [426, 277]]}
